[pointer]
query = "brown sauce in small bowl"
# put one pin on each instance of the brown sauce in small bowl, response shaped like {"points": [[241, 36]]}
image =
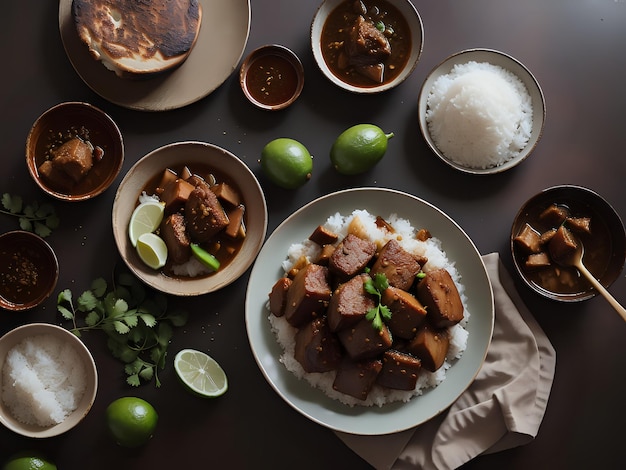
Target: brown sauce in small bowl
{"points": [[271, 80], [272, 77]]}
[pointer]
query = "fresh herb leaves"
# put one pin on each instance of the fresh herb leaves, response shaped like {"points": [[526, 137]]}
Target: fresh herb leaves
{"points": [[38, 218], [376, 286], [136, 321]]}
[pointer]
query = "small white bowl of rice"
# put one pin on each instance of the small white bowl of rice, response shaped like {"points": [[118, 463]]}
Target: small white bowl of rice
{"points": [[481, 111], [48, 380]]}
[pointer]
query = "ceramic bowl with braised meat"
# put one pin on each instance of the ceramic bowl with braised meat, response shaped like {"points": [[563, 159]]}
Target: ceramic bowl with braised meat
{"points": [[548, 228], [189, 218], [74, 151], [367, 46]]}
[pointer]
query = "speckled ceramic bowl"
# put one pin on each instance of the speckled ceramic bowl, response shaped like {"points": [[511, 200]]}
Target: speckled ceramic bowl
{"points": [[416, 33], [192, 154], [42, 330], [508, 63]]}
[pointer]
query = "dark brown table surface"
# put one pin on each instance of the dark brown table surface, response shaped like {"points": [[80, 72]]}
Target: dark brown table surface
{"points": [[577, 51]]}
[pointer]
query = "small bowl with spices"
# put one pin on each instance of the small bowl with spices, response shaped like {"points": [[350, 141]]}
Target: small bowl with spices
{"points": [[29, 270], [74, 151], [367, 46], [272, 77], [48, 380]]}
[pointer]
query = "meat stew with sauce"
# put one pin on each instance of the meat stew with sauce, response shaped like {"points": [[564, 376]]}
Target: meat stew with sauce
{"points": [[202, 207], [366, 43], [545, 235]]}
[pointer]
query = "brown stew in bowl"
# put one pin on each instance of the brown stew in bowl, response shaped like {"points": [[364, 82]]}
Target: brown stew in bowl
{"points": [[202, 207], [544, 232], [75, 160], [366, 43]]}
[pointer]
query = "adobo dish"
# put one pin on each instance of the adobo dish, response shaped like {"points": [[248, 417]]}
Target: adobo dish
{"points": [[366, 43], [365, 314], [204, 218], [550, 234], [74, 160]]}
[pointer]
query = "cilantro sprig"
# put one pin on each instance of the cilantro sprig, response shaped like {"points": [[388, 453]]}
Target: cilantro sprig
{"points": [[38, 218], [136, 321], [376, 286]]}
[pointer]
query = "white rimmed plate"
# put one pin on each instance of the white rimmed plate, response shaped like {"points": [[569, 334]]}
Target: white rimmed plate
{"points": [[220, 45], [312, 402]]}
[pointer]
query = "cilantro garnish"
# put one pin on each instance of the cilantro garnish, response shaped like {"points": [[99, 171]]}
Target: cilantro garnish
{"points": [[38, 218], [376, 286], [136, 321]]}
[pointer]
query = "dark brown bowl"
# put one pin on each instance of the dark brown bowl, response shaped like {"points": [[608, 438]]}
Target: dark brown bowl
{"points": [[272, 77], [605, 245], [29, 270], [58, 125]]}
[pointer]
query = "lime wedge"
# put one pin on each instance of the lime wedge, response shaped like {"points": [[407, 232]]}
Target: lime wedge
{"points": [[200, 373], [146, 218], [205, 257], [152, 250]]}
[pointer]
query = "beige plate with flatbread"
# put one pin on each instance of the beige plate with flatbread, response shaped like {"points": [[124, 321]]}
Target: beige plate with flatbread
{"points": [[206, 68]]}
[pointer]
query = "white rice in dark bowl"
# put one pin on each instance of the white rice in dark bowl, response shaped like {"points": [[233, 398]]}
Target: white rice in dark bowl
{"points": [[479, 115], [405, 235]]}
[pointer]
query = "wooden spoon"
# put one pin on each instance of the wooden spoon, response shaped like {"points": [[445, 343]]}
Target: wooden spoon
{"points": [[575, 258]]}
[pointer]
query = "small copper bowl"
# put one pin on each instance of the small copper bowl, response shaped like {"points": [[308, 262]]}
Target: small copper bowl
{"points": [[58, 125], [29, 270], [272, 77]]}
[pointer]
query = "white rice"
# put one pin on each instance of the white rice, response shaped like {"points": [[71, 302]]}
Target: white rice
{"points": [[43, 380], [191, 268], [479, 115], [405, 235]]}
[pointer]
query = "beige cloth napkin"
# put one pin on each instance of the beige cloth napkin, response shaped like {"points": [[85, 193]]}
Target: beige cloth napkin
{"points": [[502, 409]]}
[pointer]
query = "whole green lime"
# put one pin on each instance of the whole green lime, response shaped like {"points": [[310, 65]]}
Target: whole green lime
{"points": [[131, 421], [287, 163], [359, 148], [28, 461]]}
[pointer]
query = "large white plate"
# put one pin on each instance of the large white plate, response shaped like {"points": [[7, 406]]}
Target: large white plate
{"points": [[311, 402], [220, 45]]}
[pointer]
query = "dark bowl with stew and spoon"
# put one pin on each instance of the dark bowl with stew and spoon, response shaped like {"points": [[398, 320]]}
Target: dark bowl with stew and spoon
{"points": [[367, 46], [74, 151], [550, 225]]}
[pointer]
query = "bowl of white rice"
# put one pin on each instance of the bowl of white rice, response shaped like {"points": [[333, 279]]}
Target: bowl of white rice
{"points": [[481, 111], [48, 380]]}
